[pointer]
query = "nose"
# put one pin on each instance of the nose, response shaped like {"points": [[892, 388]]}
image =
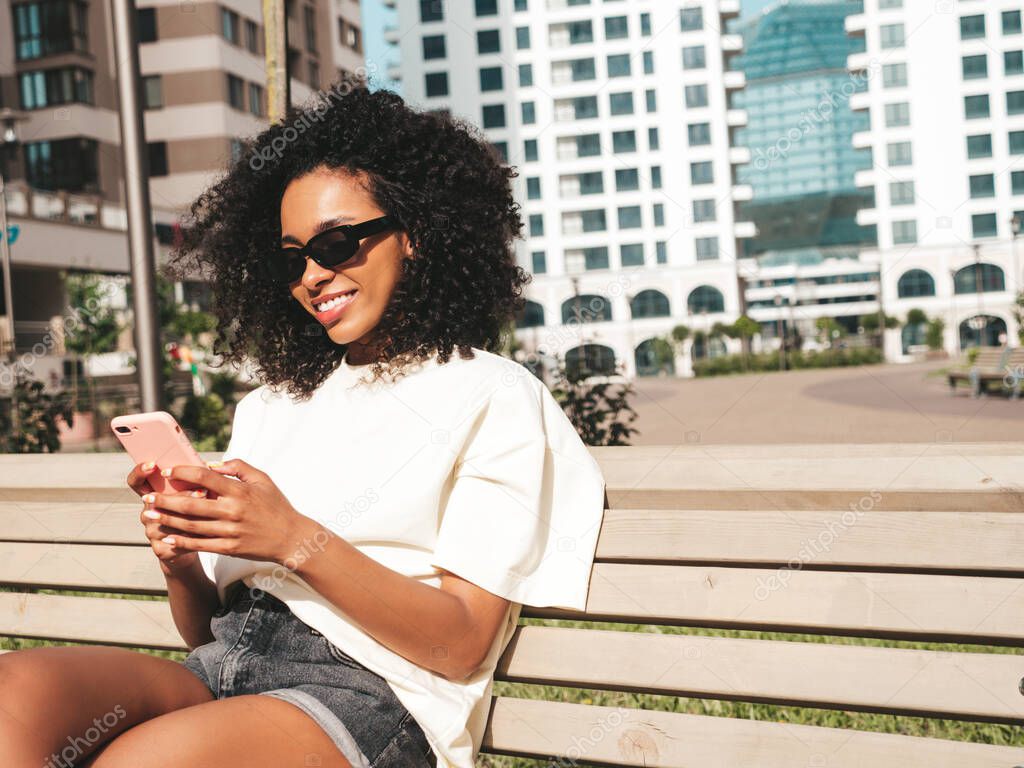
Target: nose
{"points": [[315, 275]]}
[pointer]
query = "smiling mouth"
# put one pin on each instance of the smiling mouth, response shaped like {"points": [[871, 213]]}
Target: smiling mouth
{"points": [[328, 309]]}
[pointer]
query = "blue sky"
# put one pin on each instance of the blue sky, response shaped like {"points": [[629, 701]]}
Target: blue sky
{"points": [[380, 54]]}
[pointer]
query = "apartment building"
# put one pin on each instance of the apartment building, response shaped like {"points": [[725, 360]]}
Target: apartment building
{"points": [[203, 87], [946, 103], [618, 116]]}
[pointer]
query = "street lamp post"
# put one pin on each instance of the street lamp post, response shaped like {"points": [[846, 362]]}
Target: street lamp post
{"points": [[777, 301], [1015, 226], [9, 120]]}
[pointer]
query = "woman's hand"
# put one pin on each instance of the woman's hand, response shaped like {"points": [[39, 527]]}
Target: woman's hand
{"points": [[249, 518]]}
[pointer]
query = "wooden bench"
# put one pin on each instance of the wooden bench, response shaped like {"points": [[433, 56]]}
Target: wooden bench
{"points": [[1003, 366], [902, 543]]}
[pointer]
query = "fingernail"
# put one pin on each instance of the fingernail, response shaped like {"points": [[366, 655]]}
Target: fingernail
{"points": [[149, 466], [167, 540], [166, 472], [198, 494], [149, 498], [152, 514], [212, 464]]}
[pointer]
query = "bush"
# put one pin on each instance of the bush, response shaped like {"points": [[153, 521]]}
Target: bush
{"points": [[763, 363]]}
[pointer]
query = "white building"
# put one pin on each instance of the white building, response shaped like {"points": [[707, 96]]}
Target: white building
{"points": [[946, 100], [618, 117]]}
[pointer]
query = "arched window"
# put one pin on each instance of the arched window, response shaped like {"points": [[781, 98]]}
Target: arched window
{"points": [[531, 316], [704, 298], [982, 331], [649, 303], [988, 276], [915, 282], [913, 336], [591, 309], [589, 360], [654, 356]]}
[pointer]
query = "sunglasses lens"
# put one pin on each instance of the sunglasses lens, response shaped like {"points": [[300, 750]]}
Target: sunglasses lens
{"points": [[287, 266], [334, 248]]}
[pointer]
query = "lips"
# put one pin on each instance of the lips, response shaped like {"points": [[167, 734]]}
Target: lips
{"points": [[328, 308]]}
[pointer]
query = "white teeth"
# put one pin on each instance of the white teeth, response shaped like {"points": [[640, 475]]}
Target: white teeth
{"points": [[332, 303]]}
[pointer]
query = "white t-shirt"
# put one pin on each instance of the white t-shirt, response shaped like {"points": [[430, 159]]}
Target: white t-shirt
{"points": [[470, 466]]}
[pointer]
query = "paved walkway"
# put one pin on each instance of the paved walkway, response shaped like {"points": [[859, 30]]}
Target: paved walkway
{"points": [[872, 404]]}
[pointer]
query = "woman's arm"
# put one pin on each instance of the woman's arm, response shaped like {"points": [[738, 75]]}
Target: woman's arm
{"points": [[193, 600], [447, 630]]}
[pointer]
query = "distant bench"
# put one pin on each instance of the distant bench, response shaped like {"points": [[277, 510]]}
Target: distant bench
{"points": [[1003, 366], [914, 542]]}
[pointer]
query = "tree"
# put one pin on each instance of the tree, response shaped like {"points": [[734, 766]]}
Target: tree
{"points": [[39, 414], [94, 326], [828, 329], [600, 412], [933, 333], [1018, 315], [869, 322], [916, 317]]}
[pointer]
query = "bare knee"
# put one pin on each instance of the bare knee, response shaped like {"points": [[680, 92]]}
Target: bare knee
{"points": [[25, 685]]}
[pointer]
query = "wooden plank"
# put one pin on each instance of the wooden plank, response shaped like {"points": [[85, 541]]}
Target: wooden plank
{"points": [[965, 686], [102, 620], [900, 605], [621, 736], [104, 568], [72, 522], [934, 541]]}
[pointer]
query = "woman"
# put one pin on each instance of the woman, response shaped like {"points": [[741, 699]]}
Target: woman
{"points": [[391, 495]]}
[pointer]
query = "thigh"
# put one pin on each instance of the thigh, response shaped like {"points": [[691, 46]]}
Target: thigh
{"points": [[247, 731], [70, 700]]}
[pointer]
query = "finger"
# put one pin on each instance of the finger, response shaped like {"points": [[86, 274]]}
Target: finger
{"points": [[198, 526], [137, 478], [242, 470], [193, 544], [191, 503], [203, 476]]}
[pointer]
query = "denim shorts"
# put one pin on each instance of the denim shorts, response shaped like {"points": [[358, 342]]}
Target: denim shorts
{"points": [[260, 647]]}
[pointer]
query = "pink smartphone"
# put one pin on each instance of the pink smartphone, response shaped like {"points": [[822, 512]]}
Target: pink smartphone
{"points": [[157, 437]]}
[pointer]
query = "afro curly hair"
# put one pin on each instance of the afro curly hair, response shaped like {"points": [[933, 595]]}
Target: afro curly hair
{"points": [[435, 175]]}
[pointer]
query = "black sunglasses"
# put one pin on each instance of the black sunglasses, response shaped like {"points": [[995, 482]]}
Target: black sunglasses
{"points": [[331, 248]]}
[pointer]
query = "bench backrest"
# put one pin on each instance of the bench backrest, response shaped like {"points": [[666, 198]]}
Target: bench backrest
{"points": [[991, 358], [917, 543]]}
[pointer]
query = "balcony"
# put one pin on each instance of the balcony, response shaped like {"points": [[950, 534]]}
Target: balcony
{"points": [[864, 179], [392, 35], [860, 101], [394, 72], [744, 229], [856, 24], [739, 155], [742, 193], [736, 118], [862, 140], [858, 62], [728, 9], [734, 80], [866, 217], [732, 44]]}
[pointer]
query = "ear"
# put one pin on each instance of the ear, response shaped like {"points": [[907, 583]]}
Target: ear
{"points": [[408, 250]]}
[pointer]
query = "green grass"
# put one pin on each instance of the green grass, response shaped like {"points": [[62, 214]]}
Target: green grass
{"points": [[983, 733]]}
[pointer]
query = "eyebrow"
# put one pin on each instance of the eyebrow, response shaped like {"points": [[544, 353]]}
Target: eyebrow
{"points": [[323, 226]]}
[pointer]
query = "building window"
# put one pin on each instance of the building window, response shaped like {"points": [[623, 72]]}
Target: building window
{"points": [[904, 232], [229, 25], [491, 79], [434, 47], [1011, 22], [623, 141], [256, 100], [694, 57], [536, 224], [703, 210], [309, 19], [891, 36], [522, 38], [648, 59], [525, 75], [705, 299], [696, 96], [1015, 103], [901, 193], [651, 100], [252, 36], [653, 140], [590, 183], [691, 19], [701, 173], [588, 145], [979, 146], [488, 41], [986, 277], [972, 26], [1017, 182], [655, 177], [618, 65], [597, 258], [533, 188], [984, 225], [521, 5], [314, 74], [145, 22], [645, 24], [974, 67], [976, 106], [349, 36], [897, 114], [152, 92], [436, 84], [894, 75], [1017, 142], [530, 150], [501, 147], [707, 248], [616, 28], [899, 153], [1013, 62], [65, 164], [540, 262], [431, 10], [698, 134], [659, 215], [529, 112], [46, 28], [631, 255], [494, 116], [982, 185], [661, 252], [629, 217], [236, 92], [157, 152], [627, 179], [486, 7], [621, 103], [47, 88], [915, 283]]}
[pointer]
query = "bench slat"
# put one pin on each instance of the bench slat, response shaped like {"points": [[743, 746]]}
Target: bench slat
{"points": [[934, 541], [102, 620], [104, 568], [620, 736], [965, 686], [902, 605], [81, 522]]}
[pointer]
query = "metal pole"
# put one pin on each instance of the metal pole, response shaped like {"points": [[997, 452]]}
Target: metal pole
{"points": [[140, 226], [279, 87], [5, 255]]}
